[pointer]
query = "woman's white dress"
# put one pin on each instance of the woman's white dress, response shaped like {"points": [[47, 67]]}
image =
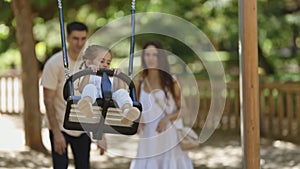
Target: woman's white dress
{"points": [[158, 150]]}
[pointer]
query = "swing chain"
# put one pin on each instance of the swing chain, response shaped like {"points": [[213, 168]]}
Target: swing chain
{"points": [[132, 39], [59, 4], [133, 4], [63, 40], [67, 73]]}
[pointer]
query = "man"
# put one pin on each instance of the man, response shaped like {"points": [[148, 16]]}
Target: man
{"points": [[53, 79]]}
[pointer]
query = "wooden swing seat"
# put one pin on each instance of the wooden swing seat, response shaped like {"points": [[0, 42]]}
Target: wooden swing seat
{"points": [[106, 116]]}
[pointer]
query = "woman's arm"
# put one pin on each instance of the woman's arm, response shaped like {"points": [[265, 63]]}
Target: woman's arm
{"points": [[137, 83], [180, 104]]}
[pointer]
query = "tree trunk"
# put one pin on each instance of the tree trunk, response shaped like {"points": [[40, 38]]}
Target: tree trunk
{"points": [[26, 42]]}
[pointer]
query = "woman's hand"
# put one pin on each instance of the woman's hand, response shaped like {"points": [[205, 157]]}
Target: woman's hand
{"points": [[141, 126], [162, 125]]}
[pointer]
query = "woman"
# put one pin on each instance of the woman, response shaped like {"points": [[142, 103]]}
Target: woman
{"points": [[160, 97]]}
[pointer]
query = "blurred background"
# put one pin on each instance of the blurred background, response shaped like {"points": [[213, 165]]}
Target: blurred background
{"points": [[278, 51]]}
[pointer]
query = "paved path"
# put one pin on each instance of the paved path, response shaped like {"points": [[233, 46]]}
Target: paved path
{"points": [[221, 151]]}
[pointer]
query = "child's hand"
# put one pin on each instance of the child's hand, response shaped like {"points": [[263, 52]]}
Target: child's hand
{"points": [[93, 67], [117, 71]]}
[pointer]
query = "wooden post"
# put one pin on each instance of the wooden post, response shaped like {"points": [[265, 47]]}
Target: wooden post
{"points": [[249, 95]]}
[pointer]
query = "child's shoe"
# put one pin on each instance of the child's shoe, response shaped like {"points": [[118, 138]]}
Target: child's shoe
{"points": [[85, 107], [130, 115]]}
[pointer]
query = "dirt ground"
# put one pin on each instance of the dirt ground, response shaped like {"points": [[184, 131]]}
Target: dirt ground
{"points": [[221, 151]]}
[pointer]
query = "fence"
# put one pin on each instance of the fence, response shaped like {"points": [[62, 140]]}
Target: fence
{"points": [[279, 106], [280, 110], [11, 98]]}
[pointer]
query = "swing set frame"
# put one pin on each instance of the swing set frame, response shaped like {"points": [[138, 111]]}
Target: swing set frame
{"points": [[101, 126]]}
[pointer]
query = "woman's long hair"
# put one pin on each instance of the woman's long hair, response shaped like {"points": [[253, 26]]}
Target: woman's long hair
{"points": [[166, 80]]}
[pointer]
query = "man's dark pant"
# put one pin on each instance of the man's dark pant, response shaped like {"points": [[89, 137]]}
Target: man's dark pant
{"points": [[81, 151]]}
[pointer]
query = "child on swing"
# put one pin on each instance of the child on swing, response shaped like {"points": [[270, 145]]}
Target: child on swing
{"points": [[96, 57]]}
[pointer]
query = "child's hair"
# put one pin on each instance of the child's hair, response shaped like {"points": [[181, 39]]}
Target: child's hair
{"points": [[92, 50]]}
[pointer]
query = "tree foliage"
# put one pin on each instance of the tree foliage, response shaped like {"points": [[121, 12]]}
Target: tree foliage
{"points": [[278, 31]]}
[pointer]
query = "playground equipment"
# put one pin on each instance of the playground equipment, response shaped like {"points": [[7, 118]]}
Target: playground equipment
{"points": [[106, 118]]}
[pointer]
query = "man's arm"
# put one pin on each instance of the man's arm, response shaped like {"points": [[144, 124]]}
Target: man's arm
{"points": [[59, 141]]}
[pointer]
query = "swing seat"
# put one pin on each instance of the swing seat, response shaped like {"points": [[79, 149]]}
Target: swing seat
{"points": [[106, 116]]}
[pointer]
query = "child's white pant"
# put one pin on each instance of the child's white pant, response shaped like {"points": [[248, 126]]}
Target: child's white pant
{"points": [[120, 96], [90, 90]]}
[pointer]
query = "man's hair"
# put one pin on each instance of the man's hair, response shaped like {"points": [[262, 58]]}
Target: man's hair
{"points": [[76, 26]]}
